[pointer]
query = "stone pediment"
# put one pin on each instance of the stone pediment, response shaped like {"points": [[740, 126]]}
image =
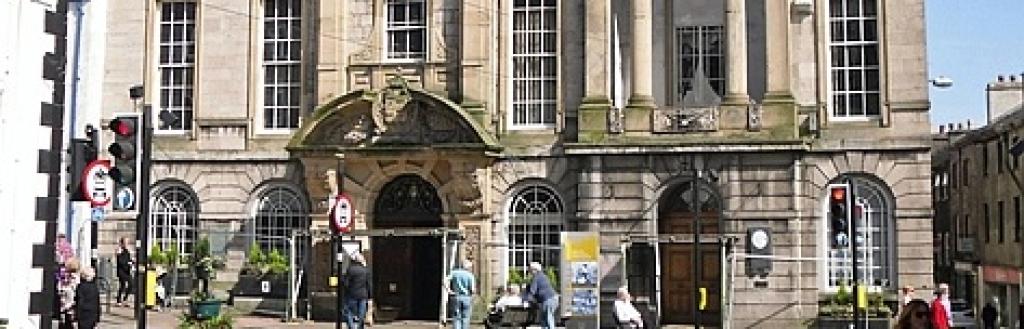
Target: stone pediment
{"points": [[396, 115]]}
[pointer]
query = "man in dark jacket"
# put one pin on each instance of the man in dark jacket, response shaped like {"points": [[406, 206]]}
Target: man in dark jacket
{"points": [[540, 293], [358, 284], [87, 300], [124, 272], [989, 315]]}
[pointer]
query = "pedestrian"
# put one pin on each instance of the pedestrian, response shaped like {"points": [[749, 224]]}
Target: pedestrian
{"points": [[539, 292], [989, 315], [67, 283], [944, 289], [915, 315], [358, 286], [462, 284], [511, 298], [908, 295], [940, 318], [625, 314], [87, 300], [124, 272]]}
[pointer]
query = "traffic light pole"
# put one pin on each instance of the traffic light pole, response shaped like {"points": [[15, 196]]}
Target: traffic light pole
{"points": [[851, 213], [142, 219]]}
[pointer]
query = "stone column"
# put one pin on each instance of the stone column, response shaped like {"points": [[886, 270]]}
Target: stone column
{"points": [[736, 52], [734, 109], [593, 111], [641, 99], [779, 110]]}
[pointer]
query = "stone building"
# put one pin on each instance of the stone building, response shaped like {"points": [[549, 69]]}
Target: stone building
{"points": [[670, 127], [981, 186]]}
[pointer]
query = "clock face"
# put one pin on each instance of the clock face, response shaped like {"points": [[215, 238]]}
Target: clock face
{"points": [[759, 239]]}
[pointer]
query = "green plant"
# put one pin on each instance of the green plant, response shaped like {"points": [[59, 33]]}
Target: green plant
{"points": [[276, 263], [171, 256], [255, 257], [842, 297], [552, 277], [156, 256], [515, 276], [200, 296], [223, 321]]}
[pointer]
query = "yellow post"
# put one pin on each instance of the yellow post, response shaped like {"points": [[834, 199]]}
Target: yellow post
{"points": [[150, 288], [862, 297]]}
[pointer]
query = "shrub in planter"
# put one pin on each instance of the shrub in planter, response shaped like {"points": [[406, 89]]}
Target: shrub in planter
{"points": [[221, 321]]}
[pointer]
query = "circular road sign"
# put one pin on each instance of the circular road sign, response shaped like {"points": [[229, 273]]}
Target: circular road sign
{"points": [[96, 183], [342, 214], [124, 199]]}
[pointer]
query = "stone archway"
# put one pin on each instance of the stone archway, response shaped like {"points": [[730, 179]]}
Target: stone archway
{"points": [[378, 140]]}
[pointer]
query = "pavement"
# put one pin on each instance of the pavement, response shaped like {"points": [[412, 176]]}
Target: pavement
{"points": [[124, 318]]}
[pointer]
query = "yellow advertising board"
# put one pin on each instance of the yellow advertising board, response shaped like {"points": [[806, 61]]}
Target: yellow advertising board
{"points": [[581, 252]]}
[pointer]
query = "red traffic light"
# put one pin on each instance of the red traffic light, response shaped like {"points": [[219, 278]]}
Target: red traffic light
{"points": [[838, 193], [122, 127]]}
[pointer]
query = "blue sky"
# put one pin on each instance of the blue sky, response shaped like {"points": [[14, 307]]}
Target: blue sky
{"points": [[972, 42]]}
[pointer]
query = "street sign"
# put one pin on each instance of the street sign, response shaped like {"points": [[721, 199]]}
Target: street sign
{"points": [[96, 183], [124, 199], [342, 214], [97, 214]]}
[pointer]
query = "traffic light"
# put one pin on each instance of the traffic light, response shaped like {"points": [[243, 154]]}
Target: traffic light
{"points": [[82, 152], [126, 154], [839, 201]]}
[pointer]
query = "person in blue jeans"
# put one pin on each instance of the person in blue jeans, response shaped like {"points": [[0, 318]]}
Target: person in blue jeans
{"points": [[462, 285], [540, 292], [358, 285]]}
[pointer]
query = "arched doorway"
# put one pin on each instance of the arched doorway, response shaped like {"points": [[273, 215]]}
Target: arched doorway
{"points": [[407, 269], [690, 224]]}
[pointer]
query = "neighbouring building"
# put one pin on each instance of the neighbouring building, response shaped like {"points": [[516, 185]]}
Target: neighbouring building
{"points": [[982, 184], [669, 127]]}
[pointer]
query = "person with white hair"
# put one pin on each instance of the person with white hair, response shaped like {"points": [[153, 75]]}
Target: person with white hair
{"points": [[462, 284], [625, 314], [540, 292], [358, 285], [87, 300], [510, 298], [944, 289]]}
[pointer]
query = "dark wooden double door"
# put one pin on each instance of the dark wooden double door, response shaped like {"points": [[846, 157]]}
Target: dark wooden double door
{"points": [[407, 269], [691, 275]]}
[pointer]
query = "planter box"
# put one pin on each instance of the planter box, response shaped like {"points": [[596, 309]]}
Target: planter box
{"points": [[825, 322], [251, 286], [205, 309]]}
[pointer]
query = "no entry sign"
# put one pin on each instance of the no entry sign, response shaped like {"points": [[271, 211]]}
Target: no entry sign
{"points": [[342, 218]]}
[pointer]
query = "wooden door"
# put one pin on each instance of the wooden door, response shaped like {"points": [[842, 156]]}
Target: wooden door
{"points": [[391, 280], [710, 278], [677, 293]]}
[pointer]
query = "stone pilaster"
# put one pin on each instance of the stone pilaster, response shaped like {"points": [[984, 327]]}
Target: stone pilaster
{"points": [[593, 112], [477, 83], [779, 106]]}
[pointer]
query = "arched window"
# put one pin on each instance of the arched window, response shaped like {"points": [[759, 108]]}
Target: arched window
{"points": [[534, 226], [278, 211], [875, 238], [173, 220]]}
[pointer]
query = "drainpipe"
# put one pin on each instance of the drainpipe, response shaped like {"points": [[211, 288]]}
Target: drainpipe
{"points": [[797, 193], [69, 209]]}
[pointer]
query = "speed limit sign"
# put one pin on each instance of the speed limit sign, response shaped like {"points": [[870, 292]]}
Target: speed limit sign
{"points": [[342, 218]]}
